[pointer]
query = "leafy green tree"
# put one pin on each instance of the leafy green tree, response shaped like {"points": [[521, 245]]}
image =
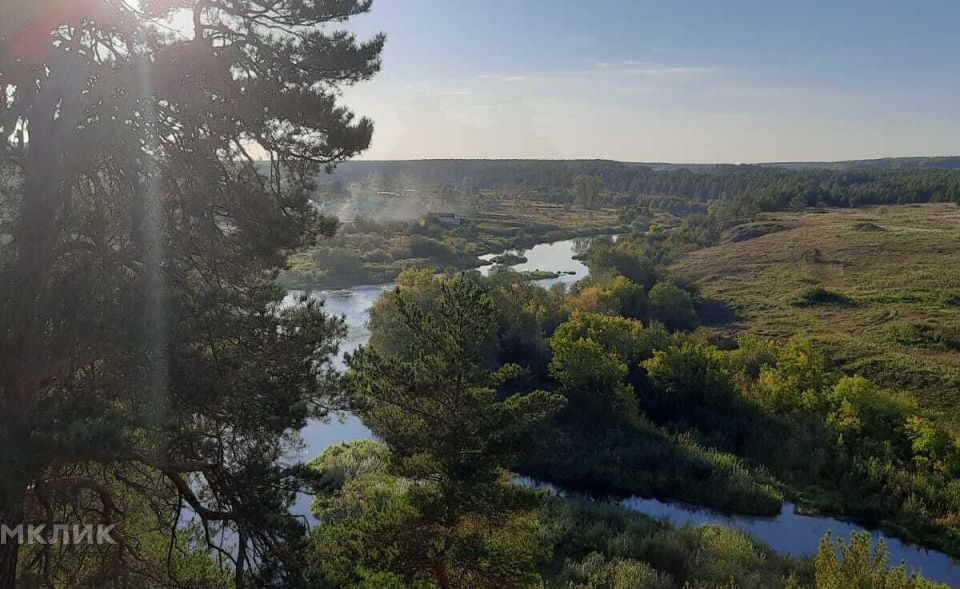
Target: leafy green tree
{"points": [[591, 377], [932, 445], [449, 434], [364, 510], [798, 383], [637, 258], [691, 373], [621, 335], [614, 296], [390, 332], [601, 545], [630, 295], [856, 564], [372, 532], [592, 298], [864, 416], [672, 305], [751, 355], [526, 315], [139, 325]]}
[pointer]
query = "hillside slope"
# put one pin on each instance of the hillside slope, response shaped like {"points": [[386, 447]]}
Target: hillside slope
{"points": [[880, 287]]}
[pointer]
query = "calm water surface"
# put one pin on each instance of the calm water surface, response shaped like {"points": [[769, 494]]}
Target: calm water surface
{"points": [[551, 257], [789, 532]]}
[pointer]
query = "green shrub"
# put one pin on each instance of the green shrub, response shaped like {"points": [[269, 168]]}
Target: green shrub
{"points": [[819, 295], [672, 305], [642, 459], [867, 226], [508, 259], [691, 373], [927, 335], [604, 546], [812, 255], [596, 571], [857, 564]]}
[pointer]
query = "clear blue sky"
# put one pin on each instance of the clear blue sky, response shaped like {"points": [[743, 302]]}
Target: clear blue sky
{"points": [[684, 81]]}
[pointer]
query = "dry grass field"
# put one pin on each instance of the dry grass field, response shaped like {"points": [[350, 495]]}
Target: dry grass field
{"points": [[521, 212], [879, 287]]}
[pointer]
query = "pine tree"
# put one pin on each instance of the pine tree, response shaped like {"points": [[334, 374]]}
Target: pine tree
{"points": [[453, 437], [141, 337]]}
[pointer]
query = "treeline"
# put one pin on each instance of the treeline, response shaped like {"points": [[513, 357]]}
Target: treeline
{"points": [[774, 188], [625, 183], [478, 174]]}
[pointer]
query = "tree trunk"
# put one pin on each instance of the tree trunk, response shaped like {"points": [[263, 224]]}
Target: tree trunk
{"points": [[23, 350], [50, 158], [9, 555], [440, 571], [11, 516]]}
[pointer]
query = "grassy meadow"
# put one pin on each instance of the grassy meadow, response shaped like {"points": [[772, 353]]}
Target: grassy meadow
{"points": [[878, 286]]}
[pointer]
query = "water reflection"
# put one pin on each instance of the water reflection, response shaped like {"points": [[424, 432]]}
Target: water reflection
{"points": [[549, 257]]}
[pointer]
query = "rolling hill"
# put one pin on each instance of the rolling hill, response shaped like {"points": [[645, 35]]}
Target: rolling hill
{"points": [[878, 286]]}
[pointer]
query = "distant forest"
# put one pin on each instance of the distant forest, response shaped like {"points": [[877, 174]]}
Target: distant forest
{"points": [[767, 186]]}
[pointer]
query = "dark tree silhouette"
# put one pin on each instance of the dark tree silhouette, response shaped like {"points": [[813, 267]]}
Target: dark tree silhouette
{"points": [[153, 180]]}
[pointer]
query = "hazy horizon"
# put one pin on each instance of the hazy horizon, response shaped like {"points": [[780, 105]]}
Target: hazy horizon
{"points": [[750, 81], [652, 162]]}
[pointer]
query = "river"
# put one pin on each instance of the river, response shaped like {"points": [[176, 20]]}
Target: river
{"points": [[789, 532]]}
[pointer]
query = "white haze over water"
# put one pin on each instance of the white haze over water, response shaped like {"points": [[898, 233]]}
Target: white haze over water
{"points": [[403, 199]]}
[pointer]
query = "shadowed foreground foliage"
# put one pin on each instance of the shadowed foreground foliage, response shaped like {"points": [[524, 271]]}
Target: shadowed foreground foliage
{"points": [[147, 363]]}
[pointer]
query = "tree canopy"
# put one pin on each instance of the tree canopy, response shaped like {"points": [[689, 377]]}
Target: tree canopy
{"points": [[145, 349], [451, 438]]}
